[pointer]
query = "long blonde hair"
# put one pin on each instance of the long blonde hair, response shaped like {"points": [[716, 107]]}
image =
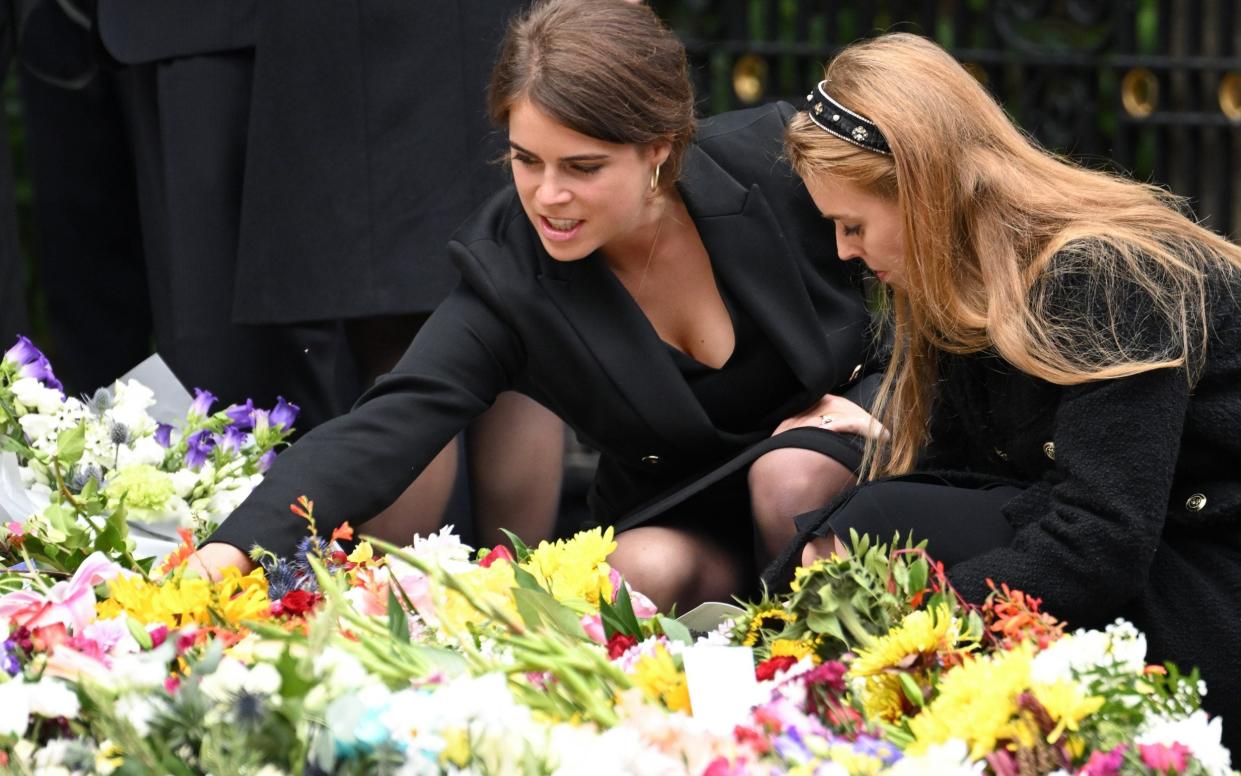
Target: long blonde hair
{"points": [[984, 212]]}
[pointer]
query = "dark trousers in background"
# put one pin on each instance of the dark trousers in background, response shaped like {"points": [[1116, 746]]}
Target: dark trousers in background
{"points": [[87, 236], [188, 122]]}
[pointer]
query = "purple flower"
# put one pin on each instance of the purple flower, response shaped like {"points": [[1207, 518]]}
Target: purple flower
{"points": [[202, 402], [41, 370], [8, 658], [267, 459], [877, 748], [197, 447], [791, 747], [163, 434], [233, 439], [241, 415], [23, 352], [283, 414]]}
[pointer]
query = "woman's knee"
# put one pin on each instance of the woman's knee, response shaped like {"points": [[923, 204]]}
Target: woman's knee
{"points": [[787, 482]]}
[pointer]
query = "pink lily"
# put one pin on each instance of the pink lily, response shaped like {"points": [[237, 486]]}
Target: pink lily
{"points": [[71, 603]]}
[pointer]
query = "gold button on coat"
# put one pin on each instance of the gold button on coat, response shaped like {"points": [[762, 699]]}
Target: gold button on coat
{"points": [[1049, 450], [1196, 502], [650, 459]]}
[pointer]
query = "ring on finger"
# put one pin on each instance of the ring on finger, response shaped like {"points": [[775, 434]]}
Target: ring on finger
{"points": [[825, 420]]}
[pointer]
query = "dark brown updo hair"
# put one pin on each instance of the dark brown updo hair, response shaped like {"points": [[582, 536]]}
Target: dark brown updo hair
{"points": [[608, 69]]}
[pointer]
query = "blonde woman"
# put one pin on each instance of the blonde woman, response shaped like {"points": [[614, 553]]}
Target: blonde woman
{"points": [[1064, 397]]}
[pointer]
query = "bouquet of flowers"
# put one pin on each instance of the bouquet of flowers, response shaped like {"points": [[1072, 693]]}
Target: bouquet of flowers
{"points": [[88, 469]]}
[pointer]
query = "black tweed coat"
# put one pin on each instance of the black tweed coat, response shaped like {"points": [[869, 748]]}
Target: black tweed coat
{"points": [[1132, 506]]}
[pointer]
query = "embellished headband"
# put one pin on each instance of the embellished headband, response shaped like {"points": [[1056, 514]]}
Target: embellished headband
{"points": [[838, 120]]}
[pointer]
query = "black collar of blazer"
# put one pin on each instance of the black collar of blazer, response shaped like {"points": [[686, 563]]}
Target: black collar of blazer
{"points": [[751, 258]]}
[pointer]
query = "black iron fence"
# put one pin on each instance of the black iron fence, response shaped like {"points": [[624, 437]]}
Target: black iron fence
{"points": [[1152, 87]]}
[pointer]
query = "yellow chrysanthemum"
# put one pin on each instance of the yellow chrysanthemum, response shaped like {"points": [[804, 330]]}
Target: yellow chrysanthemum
{"points": [[575, 569], [882, 697], [920, 633], [797, 648], [976, 702], [1068, 704], [180, 601], [660, 680]]}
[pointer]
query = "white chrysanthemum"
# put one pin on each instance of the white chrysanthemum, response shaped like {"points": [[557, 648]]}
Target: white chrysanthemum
{"points": [[950, 758], [34, 396], [1200, 735], [1120, 648], [444, 549]]}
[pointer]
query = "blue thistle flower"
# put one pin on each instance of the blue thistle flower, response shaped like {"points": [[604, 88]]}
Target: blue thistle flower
{"points": [[282, 578], [100, 402]]}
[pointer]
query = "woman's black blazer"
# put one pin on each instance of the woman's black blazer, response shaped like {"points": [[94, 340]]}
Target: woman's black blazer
{"points": [[569, 335]]}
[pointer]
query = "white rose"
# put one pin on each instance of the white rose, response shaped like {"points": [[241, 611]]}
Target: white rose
{"points": [[36, 396]]}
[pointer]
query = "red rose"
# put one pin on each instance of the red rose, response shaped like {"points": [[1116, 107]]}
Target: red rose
{"points": [[297, 602], [619, 644], [770, 667], [499, 553]]}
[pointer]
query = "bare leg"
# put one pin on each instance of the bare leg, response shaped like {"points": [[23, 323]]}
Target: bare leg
{"points": [[377, 345], [823, 547], [677, 566], [786, 483], [516, 458]]}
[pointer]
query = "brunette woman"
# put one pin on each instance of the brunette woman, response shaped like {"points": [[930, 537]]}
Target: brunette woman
{"points": [[671, 294], [1067, 365]]}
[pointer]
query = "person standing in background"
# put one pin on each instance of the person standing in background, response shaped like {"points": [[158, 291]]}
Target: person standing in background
{"points": [[186, 70], [369, 145], [87, 237]]}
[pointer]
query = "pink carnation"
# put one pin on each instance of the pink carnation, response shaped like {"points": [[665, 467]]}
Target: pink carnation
{"points": [[1162, 758]]}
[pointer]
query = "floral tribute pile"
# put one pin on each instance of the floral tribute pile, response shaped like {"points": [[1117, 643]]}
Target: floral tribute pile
{"points": [[355, 656]]}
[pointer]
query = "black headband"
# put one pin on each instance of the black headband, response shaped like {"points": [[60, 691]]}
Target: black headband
{"points": [[835, 118]]}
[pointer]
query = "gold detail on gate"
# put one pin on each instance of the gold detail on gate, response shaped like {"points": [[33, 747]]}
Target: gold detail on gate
{"points": [[1230, 95], [750, 78], [1139, 92]]}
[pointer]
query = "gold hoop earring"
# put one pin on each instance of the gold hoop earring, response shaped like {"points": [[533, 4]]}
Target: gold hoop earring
{"points": [[655, 178]]}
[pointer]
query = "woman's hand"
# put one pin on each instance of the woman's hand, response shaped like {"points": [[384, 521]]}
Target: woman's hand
{"points": [[212, 558], [836, 413]]}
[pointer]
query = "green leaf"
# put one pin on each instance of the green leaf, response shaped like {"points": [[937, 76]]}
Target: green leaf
{"points": [[911, 689], [398, 624], [918, 574], [624, 609], [525, 580], [520, 551], [674, 630], [139, 633], [10, 445], [70, 444], [536, 606]]}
